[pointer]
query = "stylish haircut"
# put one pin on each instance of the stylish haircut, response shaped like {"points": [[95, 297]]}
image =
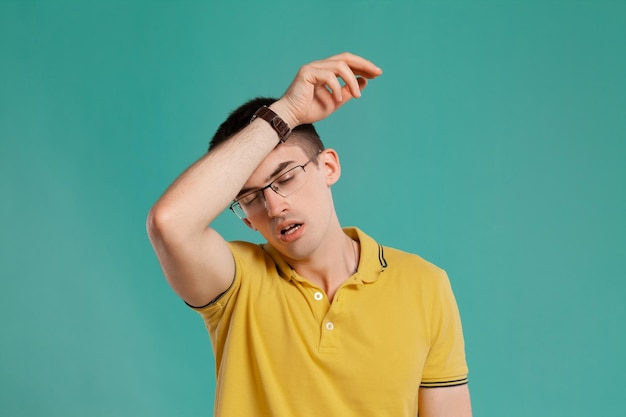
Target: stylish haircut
{"points": [[304, 136]]}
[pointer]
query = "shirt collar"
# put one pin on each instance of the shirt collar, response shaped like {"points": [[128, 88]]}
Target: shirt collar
{"points": [[371, 260]]}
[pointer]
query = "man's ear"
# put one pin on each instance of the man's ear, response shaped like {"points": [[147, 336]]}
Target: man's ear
{"points": [[329, 162]]}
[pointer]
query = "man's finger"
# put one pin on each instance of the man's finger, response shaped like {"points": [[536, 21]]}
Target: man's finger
{"points": [[358, 65]]}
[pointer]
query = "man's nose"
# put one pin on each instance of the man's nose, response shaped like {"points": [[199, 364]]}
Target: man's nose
{"points": [[275, 204]]}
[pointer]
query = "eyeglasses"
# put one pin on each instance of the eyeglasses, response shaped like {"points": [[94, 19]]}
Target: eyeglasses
{"points": [[287, 183]]}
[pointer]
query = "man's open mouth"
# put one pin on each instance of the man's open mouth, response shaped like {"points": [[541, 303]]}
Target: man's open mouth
{"points": [[290, 229]]}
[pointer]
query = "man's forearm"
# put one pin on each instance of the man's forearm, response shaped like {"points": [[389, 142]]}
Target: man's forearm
{"points": [[202, 192]]}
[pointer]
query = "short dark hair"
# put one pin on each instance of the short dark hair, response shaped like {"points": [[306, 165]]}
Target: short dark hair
{"points": [[304, 135]]}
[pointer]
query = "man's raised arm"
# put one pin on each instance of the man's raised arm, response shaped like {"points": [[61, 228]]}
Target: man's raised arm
{"points": [[195, 259]]}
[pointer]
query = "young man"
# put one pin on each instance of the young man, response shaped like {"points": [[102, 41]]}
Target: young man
{"points": [[320, 320]]}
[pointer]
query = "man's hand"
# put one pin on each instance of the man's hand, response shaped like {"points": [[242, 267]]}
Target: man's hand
{"points": [[316, 91]]}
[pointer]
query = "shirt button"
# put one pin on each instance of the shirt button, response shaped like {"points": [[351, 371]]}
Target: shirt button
{"points": [[329, 325], [318, 296]]}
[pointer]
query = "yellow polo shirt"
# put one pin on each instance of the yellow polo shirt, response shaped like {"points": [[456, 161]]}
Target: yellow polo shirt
{"points": [[283, 350]]}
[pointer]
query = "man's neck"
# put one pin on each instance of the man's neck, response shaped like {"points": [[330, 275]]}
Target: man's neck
{"points": [[332, 264]]}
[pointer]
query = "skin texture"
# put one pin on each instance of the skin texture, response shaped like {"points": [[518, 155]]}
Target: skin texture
{"points": [[197, 261]]}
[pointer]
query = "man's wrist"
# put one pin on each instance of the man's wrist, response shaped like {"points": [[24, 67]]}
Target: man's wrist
{"points": [[275, 121], [284, 113]]}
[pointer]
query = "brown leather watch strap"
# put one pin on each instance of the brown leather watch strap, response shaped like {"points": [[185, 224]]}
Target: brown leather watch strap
{"points": [[274, 120]]}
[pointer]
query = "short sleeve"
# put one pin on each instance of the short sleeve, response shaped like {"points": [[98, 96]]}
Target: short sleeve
{"points": [[445, 364]]}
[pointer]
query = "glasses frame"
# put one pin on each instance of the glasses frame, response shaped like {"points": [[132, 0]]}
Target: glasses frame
{"points": [[235, 206]]}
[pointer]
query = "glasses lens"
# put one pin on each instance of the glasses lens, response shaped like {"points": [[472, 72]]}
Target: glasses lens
{"points": [[290, 181], [236, 208], [251, 199]]}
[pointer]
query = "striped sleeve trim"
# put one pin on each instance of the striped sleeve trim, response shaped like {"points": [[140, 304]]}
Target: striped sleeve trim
{"points": [[440, 384]]}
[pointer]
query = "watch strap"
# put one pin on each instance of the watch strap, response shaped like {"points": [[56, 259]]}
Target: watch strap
{"points": [[274, 120]]}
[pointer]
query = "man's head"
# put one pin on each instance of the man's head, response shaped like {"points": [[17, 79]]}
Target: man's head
{"points": [[304, 136], [294, 221], [298, 223]]}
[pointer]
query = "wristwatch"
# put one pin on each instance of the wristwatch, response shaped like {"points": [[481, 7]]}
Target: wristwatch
{"points": [[274, 120]]}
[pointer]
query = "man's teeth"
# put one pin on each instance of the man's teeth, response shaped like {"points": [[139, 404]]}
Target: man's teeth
{"points": [[290, 229]]}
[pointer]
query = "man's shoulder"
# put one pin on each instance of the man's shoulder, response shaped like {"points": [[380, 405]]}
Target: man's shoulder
{"points": [[394, 260], [257, 255], [410, 261], [244, 245], [243, 249]]}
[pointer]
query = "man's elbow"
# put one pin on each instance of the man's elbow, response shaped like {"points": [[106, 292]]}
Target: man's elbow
{"points": [[159, 223]]}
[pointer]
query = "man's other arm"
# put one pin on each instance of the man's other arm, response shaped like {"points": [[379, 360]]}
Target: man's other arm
{"points": [[445, 402]]}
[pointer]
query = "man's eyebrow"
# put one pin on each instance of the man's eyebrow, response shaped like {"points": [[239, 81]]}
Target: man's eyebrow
{"points": [[277, 171], [279, 168]]}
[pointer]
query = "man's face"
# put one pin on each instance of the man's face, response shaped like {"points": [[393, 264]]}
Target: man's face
{"points": [[296, 224]]}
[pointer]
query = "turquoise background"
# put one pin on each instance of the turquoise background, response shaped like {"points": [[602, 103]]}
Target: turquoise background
{"points": [[493, 145]]}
